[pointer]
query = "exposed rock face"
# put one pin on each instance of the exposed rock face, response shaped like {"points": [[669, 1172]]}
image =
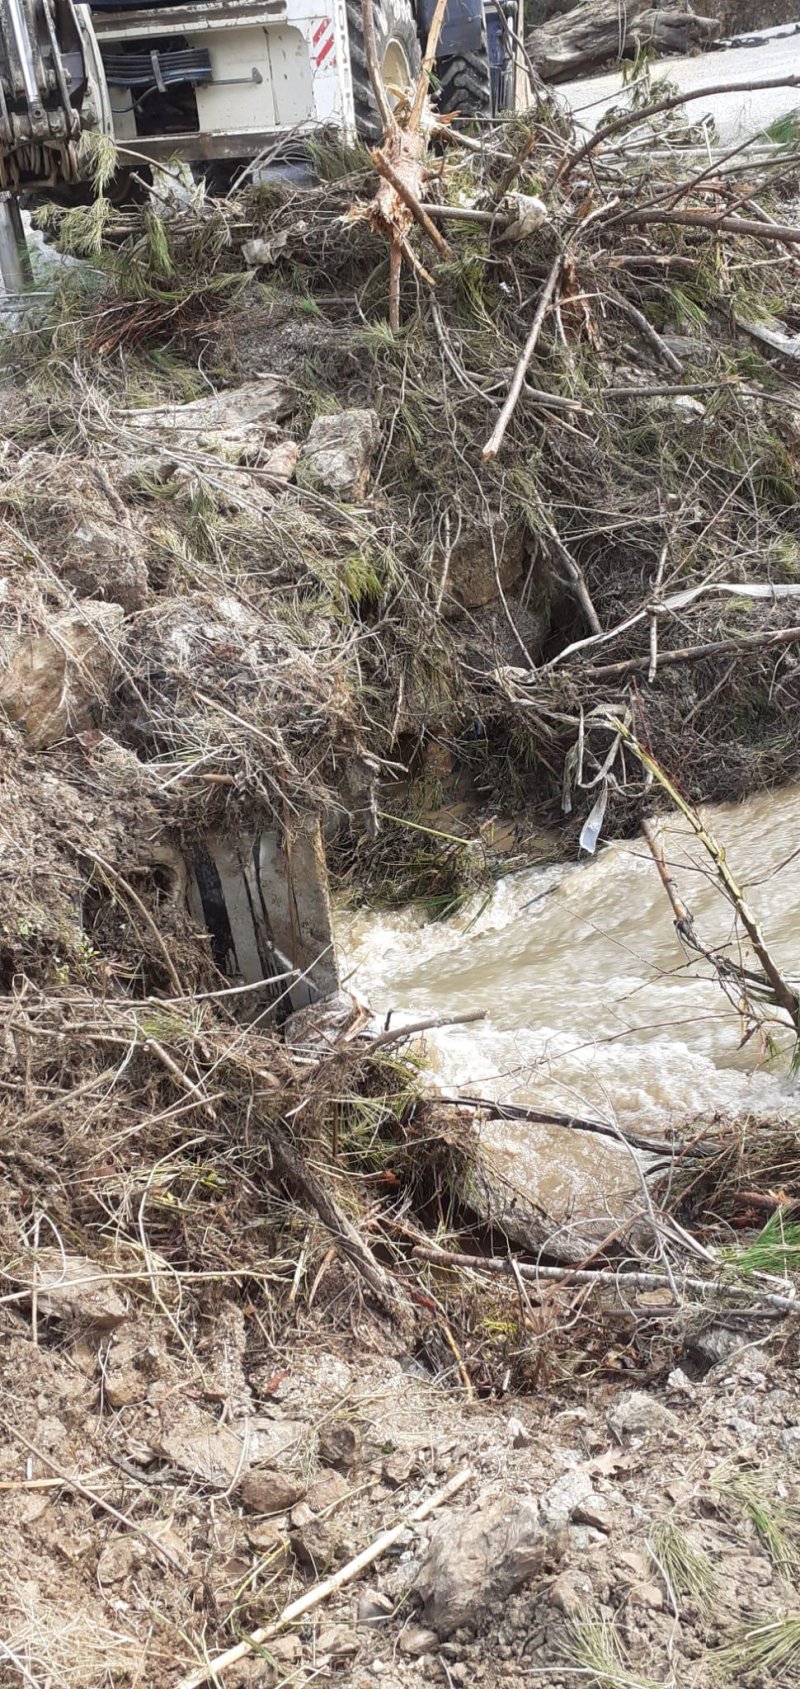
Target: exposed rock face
{"points": [[236, 421], [105, 562], [337, 455], [479, 1558], [58, 680]]}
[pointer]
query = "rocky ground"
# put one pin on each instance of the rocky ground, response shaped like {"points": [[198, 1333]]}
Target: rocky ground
{"points": [[155, 1505]]}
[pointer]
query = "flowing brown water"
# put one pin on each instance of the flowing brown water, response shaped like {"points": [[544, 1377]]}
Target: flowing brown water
{"points": [[590, 1003]]}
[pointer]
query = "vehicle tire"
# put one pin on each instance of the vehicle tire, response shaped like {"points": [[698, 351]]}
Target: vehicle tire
{"points": [[399, 56], [464, 85]]}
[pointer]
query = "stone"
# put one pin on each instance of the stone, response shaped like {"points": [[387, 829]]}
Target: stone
{"points": [[570, 1592], [399, 1468], [475, 1559], [790, 1442], [477, 558], [328, 1489], [646, 1595], [336, 1642], [373, 1607], [73, 1287], [539, 1191], [594, 1510], [58, 679], [233, 422], [339, 1444], [317, 1544], [264, 1491], [518, 1436], [104, 561], [265, 1537], [416, 1640], [562, 1501], [119, 1559], [635, 1414], [716, 1344], [280, 464], [336, 457], [197, 1444]]}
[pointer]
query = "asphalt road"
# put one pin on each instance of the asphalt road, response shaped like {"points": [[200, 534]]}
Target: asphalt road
{"points": [[736, 115]]}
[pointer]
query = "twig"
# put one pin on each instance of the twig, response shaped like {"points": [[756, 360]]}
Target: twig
{"points": [[321, 1591], [654, 610], [502, 1265], [546, 1117], [428, 62], [496, 438], [651, 334], [394, 1037], [695, 653], [92, 1496], [784, 233], [382, 100]]}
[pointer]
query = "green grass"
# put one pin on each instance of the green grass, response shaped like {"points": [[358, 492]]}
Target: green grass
{"points": [[771, 1646], [775, 1250]]}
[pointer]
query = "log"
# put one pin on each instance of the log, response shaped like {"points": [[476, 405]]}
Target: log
{"points": [[599, 31]]}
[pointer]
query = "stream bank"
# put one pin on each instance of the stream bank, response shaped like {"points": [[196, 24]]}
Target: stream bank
{"points": [[256, 602]]}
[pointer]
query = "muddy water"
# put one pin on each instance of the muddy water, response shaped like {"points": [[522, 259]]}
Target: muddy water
{"points": [[590, 1004]]}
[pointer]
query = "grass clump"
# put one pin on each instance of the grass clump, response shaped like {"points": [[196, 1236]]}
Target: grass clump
{"points": [[769, 1647], [748, 1491], [594, 1648], [686, 1569]]}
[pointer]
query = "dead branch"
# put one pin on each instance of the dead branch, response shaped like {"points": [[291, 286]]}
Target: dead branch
{"points": [[386, 169], [782, 233], [321, 1591], [382, 100], [695, 653], [574, 1122], [507, 1267], [670, 103], [497, 435]]}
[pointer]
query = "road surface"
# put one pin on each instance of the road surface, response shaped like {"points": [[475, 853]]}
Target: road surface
{"points": [[735, 115]]}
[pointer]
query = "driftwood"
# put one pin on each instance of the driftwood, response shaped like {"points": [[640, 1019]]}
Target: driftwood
{"points": [[601, 30]]}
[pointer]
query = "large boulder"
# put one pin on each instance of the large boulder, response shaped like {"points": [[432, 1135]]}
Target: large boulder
{"points": [[58, 680], [337, 455]]}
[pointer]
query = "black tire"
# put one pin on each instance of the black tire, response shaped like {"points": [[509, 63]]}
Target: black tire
{"points": [[395, 28], [464, 85]]}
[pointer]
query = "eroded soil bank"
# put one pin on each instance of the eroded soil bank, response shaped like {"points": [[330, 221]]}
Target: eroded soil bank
{"points": [[273, 567]]}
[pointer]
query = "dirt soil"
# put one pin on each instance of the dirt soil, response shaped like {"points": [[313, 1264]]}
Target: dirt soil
{"points": [[229, 1504]]}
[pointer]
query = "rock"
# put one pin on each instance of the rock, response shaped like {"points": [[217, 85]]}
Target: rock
{"points": [[317, 1544], [264, 1491], [561, 1502], [687, 410], [119, 1559], [646, 1595], [475, 1559], [373, 1607], [416, 1640], [539, 1190], [339, 1444], [265, 1537], [790, 1442], [399, 1468], [234, 421], [518, 1436], [635, 1414], [58, 680], [570, 1593], [472, 574], [194, 1442], [327, 1489], [714, 1345], [336, 457], [336, 1642], [679, 1385], [594, 1510], [281, 462], [101, 561], [73, 1287]]}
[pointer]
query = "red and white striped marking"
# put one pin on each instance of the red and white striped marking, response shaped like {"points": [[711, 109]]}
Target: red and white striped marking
{"points": [[323, 43]]}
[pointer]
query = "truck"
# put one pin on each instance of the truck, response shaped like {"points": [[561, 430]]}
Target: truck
{"points": [[219, 83]]}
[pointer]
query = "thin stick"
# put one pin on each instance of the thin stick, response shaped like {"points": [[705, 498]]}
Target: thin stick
{"points": [[395, 1037], [784, 233], [91, 1496], [418, 102], [321, 1591], [695, 653], [601, 136], [506, 1268], [382, 100], [546, 1117], [495, 440], [387, 170]]}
